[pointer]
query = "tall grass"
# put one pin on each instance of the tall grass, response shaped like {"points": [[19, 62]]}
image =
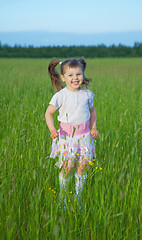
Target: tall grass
{"points": [[29, 188]]}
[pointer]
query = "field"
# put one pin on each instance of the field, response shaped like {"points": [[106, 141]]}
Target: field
{"points": [[29, 187]]}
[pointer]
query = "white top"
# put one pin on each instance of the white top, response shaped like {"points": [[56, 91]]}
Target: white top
{"points": [[73, 106]]}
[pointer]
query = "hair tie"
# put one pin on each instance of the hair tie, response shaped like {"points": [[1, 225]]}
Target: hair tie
{"points": [[60, 63]]}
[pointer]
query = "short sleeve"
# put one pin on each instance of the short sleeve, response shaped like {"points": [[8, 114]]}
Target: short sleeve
{"points": [[56, 100], [91, 99]]}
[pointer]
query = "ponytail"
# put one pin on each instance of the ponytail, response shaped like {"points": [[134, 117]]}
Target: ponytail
{"points": [[55, 78], [82, 61], [86, 80]]}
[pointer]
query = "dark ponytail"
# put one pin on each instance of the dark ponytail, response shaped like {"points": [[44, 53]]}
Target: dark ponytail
{"points": [[55, 78], [86, 80], [82, 61]]}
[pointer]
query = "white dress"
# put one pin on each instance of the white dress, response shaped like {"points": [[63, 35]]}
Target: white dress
{"points": [[73, 148]]}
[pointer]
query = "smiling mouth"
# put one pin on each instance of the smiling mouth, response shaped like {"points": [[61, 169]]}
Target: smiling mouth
{"points": [[75, 82]]}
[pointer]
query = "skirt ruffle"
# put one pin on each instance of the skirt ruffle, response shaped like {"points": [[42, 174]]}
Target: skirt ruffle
{"points": [[80, 148]]}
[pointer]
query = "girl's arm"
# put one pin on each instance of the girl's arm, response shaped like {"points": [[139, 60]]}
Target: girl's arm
{"points": [[49, 120], [94, 131]]}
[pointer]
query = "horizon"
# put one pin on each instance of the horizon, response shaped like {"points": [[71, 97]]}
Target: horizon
{"points": [[44, 38]]}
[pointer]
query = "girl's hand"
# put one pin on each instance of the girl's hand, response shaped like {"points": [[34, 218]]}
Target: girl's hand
{"points": [[54, 134], [94, 133]]}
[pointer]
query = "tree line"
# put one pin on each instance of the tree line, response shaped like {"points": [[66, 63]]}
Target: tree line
{"points": [[100, 51]]}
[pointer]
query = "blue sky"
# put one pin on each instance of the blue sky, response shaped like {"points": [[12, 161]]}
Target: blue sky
{"points": [[86, 17]]}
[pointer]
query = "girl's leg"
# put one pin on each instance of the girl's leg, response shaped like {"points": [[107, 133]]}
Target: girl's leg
{"points": [[64, 175], [66, 169], [80, 177], [81, 168]]}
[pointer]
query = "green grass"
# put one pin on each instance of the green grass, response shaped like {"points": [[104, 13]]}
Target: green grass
{"points": [[111, 197]]}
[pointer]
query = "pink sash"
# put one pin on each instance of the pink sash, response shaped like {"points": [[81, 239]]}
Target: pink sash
{"points": [[74, 129]]}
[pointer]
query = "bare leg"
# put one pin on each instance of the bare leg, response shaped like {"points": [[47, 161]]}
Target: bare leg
{"points": [[66, 169], [81, 168], [64, 175], [80, 177]]}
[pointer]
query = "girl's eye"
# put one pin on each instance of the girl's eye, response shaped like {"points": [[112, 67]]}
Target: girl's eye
{"points": [[70, 75]]}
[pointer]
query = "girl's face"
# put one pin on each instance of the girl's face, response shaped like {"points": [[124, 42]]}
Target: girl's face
{"points": [[73, 77]]}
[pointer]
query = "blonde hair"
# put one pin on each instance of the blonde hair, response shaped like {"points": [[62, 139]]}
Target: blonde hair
{"points": [[72, 63]]}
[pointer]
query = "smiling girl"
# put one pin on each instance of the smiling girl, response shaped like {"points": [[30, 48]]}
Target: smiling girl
{"points": [[73, 142]]}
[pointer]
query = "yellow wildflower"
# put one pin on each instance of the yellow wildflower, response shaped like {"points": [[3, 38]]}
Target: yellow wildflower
{"points": [[94, 159], [90, 163], [77, 154], [69, 200], [75, 200], [100, 168], [96, 167], [70, 192], [58, 151], [49, 188]]}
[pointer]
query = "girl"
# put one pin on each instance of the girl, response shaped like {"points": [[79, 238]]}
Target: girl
{"points": [[73, 142]]}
